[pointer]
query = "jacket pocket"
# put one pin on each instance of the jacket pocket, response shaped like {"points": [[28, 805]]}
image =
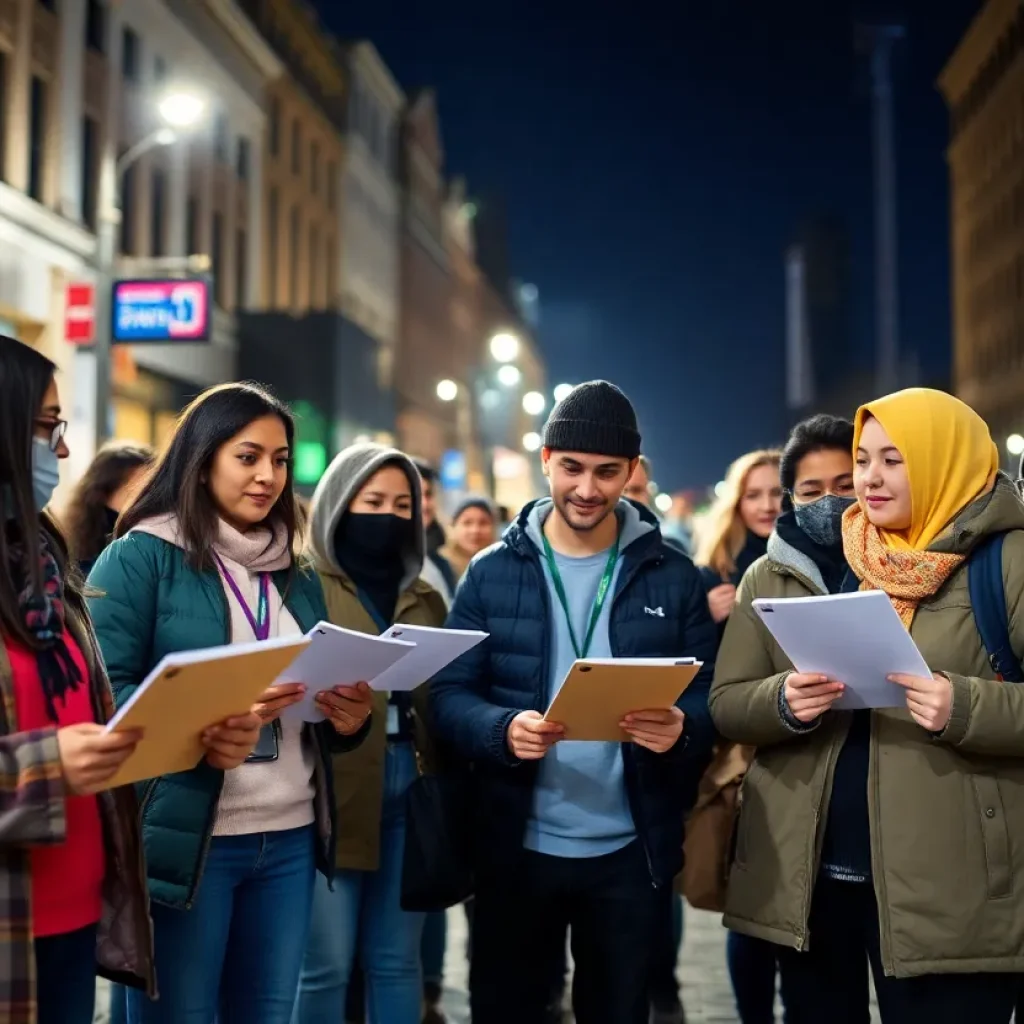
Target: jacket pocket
{"points": [[745, 810], [995, 836]]}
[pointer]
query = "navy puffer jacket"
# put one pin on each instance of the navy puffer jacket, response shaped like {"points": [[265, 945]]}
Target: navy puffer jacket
{"points": [[659, 610]]}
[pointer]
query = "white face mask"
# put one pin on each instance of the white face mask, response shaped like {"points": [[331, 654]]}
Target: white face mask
{"points": [[45, 472]]}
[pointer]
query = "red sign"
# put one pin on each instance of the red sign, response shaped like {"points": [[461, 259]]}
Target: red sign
{"points": [[79, 314]]}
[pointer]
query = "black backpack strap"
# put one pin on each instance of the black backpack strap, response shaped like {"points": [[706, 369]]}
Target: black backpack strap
{"points": [[988, 602]]}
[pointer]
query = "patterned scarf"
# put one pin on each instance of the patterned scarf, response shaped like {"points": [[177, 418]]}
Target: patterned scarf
{"points": [[907, 577], [43, 615]]}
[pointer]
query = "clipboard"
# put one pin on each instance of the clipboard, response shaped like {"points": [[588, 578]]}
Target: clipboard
{"points": [[599, 692], [190, 691]]}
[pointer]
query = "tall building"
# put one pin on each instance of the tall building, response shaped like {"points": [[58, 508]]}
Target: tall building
{"points": [[201, 195], [983, 86], [81, 84], [425, 425], [819, 357], [370, 203], [303, 154]]}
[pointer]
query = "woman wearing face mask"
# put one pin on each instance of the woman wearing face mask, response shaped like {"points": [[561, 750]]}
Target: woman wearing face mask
{"points": [[739, 524], [98, 499], [892, 845], [474, 527], [74, 887], [368, 546], [204, 557]]}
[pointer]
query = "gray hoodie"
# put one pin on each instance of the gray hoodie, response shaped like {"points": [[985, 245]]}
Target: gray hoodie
{"points": [[344, 478]]}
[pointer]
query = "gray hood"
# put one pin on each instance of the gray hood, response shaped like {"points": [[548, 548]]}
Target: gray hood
{"points": [[631, 525], [342, 481]]}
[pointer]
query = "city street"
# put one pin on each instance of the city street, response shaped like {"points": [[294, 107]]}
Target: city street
{"points": [[706, 993]]}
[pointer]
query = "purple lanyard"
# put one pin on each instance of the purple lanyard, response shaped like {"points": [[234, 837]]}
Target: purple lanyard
{"points": [[260, 622]]}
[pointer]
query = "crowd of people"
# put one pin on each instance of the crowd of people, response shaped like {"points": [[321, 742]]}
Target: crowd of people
{"points": [[270, 884]]}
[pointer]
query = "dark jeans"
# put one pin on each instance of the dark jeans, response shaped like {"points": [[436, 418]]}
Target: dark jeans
{"points": [[830, 981], [752, 972], [667, 942], [118, 1004], [66, 977], [519, 922]]}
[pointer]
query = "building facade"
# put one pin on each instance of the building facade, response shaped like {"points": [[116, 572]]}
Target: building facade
{"points": [[983, 85], [199, 196], [425, 425], [303, 157], [370, 203]]}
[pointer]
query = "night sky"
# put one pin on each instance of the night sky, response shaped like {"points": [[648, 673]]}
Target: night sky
{"points": [[655, 165]]}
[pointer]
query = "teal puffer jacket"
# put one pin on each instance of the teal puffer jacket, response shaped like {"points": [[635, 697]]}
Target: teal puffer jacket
{"points": [[149, 603]]}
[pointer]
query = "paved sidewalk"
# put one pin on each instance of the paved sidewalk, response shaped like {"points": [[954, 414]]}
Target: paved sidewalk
{"points": [[706, 992]]}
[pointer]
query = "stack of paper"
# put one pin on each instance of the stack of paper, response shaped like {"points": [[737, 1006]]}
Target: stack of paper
{"points": [[857, 639]]}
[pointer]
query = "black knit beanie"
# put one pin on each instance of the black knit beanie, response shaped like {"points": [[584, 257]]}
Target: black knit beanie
{"points": [[594, 418]]}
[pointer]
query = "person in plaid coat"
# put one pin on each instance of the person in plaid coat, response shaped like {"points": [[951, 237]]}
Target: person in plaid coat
{"points": [[73, 894]]}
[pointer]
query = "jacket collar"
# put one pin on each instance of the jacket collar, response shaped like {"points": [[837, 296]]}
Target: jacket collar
{"points": [[788, 561]]}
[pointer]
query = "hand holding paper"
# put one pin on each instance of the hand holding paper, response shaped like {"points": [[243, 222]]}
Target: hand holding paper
{"points": [[346, 707], [809, 695], [658, 729], [530, 737], [929, 699]]}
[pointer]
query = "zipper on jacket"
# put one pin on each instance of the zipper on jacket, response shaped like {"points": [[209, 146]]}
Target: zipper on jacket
{"points": [[818, 839]]}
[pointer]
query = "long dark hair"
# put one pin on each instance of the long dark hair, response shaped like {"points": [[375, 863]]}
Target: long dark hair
{"points": [[25, 377], [175, 486], [86, 520]]}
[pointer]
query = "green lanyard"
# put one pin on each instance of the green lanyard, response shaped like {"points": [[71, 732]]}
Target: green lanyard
{"points": [[602, 593]]}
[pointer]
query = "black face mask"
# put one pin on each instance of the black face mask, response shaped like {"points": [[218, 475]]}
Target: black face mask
{"points": [[370, 535]]}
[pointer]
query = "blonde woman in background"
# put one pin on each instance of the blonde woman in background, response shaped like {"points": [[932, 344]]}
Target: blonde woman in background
{"points": [[735, 536]]}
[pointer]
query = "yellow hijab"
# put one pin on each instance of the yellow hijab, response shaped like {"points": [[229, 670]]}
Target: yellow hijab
{"points": [[949, 453], [951, 460]]}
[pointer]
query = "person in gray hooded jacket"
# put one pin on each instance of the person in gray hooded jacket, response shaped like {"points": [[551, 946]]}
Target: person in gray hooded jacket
{"points": [[366, 525]]}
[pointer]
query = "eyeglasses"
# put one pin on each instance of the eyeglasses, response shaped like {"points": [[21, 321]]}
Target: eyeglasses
{"points": [[57, 428]]}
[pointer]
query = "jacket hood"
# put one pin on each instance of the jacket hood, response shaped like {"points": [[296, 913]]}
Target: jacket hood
{"points": [[786, 558], [342, 481], [633, 524], [998, 511]]}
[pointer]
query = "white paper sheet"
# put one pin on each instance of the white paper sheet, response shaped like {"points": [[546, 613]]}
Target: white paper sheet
{"points": [[338, 657], [857, 639], [435, 648]]}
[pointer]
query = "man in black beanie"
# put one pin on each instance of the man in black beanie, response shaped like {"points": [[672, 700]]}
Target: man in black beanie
{"points": [[582, 835]]}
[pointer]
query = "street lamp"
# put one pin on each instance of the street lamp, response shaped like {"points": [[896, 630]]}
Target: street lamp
{"points": [[447, 390], [531, 441], [509, 375], [663, 502], [562, 391], [505, 347], [1015, 444], [533, 403], [179, 111]]}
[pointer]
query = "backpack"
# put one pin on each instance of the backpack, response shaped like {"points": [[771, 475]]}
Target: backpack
{"points": [[988, 602]]}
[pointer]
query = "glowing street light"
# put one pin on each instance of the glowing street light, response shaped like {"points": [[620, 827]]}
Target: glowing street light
{"points": [[562, 391], [509, 375], [719, 488], [1015, 444], [447, 390], [181, 109], [531, 441], [505, 347], [663, 502], [533, 403]]}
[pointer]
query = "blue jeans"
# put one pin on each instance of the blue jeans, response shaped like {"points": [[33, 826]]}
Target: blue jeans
{"points": [[752, 970], [364, 912], [236, 955], [118, 1004], [66, 977]]}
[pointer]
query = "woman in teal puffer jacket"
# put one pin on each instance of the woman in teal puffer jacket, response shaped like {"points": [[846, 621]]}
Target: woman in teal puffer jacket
{"points": [[204, 557]]}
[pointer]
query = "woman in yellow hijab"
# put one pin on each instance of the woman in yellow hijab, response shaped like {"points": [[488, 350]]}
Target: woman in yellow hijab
{"points": [[917, 811]]}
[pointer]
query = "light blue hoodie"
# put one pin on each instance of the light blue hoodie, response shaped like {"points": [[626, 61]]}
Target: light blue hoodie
{"points": [[580, 806]]}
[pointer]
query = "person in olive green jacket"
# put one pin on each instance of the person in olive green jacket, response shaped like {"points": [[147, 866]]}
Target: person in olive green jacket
{"points": [[938, 799], [368, 542]]}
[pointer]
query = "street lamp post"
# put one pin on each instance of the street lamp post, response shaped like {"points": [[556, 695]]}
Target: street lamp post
{"points": [[178, 111]]}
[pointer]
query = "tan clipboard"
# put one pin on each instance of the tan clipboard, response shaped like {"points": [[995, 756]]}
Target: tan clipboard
{"points": [[184, 696], [598, 694]]}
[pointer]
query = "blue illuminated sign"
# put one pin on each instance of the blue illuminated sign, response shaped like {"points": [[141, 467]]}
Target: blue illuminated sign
{"points": [[168, 310]]}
